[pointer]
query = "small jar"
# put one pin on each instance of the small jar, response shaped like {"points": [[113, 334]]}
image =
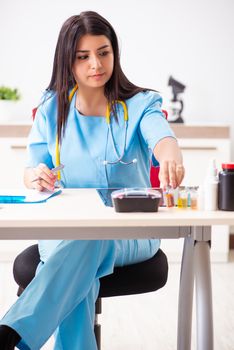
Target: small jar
{"points": [[193, 199], [226, 187], [183, 199], [169, 198]]}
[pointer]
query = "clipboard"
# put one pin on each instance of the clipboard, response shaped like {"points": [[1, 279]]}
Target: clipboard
{"points": [[26, 196]]}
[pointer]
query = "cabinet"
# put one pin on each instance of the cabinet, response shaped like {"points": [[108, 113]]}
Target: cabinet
{"points": [[198, 144], [13, 157], [196, 155]]}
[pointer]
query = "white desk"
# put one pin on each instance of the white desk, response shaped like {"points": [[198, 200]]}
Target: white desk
{"points": [[80, 214]]}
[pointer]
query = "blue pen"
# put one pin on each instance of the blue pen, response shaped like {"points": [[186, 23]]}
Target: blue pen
{"points": [[12, 199]]}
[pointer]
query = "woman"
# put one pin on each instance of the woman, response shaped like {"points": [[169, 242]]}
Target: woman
{"points": [[97, 152]]}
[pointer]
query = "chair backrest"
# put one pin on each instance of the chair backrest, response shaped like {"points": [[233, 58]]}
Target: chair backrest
{"points": [[154, 166]]}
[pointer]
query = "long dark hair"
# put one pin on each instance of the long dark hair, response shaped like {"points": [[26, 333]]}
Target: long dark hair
{"points": [[117, 88]]}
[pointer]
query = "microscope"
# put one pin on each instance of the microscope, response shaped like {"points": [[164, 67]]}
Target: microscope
{"points": [[177, 104]]}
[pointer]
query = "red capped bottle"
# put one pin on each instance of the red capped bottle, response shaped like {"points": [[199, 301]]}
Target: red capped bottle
{"points": [[226, 187]]}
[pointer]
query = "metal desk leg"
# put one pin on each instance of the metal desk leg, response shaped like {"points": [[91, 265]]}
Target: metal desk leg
{"points": [[186, 296], [203, 288]]}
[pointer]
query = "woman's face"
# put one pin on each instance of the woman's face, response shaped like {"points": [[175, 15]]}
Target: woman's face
{"points": [[94, 61]]}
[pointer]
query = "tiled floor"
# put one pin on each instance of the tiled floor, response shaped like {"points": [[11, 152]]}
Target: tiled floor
{"points": [[149, 321]]}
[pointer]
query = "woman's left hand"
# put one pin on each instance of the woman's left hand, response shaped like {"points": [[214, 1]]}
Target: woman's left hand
{"points": [[171, 174], [169, 155]]}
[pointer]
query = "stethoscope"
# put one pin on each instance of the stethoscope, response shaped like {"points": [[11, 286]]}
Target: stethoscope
{"points": [[119, 158]]}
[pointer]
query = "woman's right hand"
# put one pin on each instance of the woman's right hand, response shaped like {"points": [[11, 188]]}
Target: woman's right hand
{"points": [[42, 178]]}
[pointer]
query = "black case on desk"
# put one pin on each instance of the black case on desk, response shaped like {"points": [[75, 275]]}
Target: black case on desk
{"points": [[136, 200]]}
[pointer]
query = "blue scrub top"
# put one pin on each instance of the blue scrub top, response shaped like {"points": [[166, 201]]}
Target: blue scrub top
{"points": [[87, 142]]}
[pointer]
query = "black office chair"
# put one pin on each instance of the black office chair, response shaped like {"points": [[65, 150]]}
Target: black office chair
{"points": [[143, 277]]}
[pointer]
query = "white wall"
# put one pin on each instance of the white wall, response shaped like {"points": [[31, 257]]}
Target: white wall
{"points": [[192, 40]]}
